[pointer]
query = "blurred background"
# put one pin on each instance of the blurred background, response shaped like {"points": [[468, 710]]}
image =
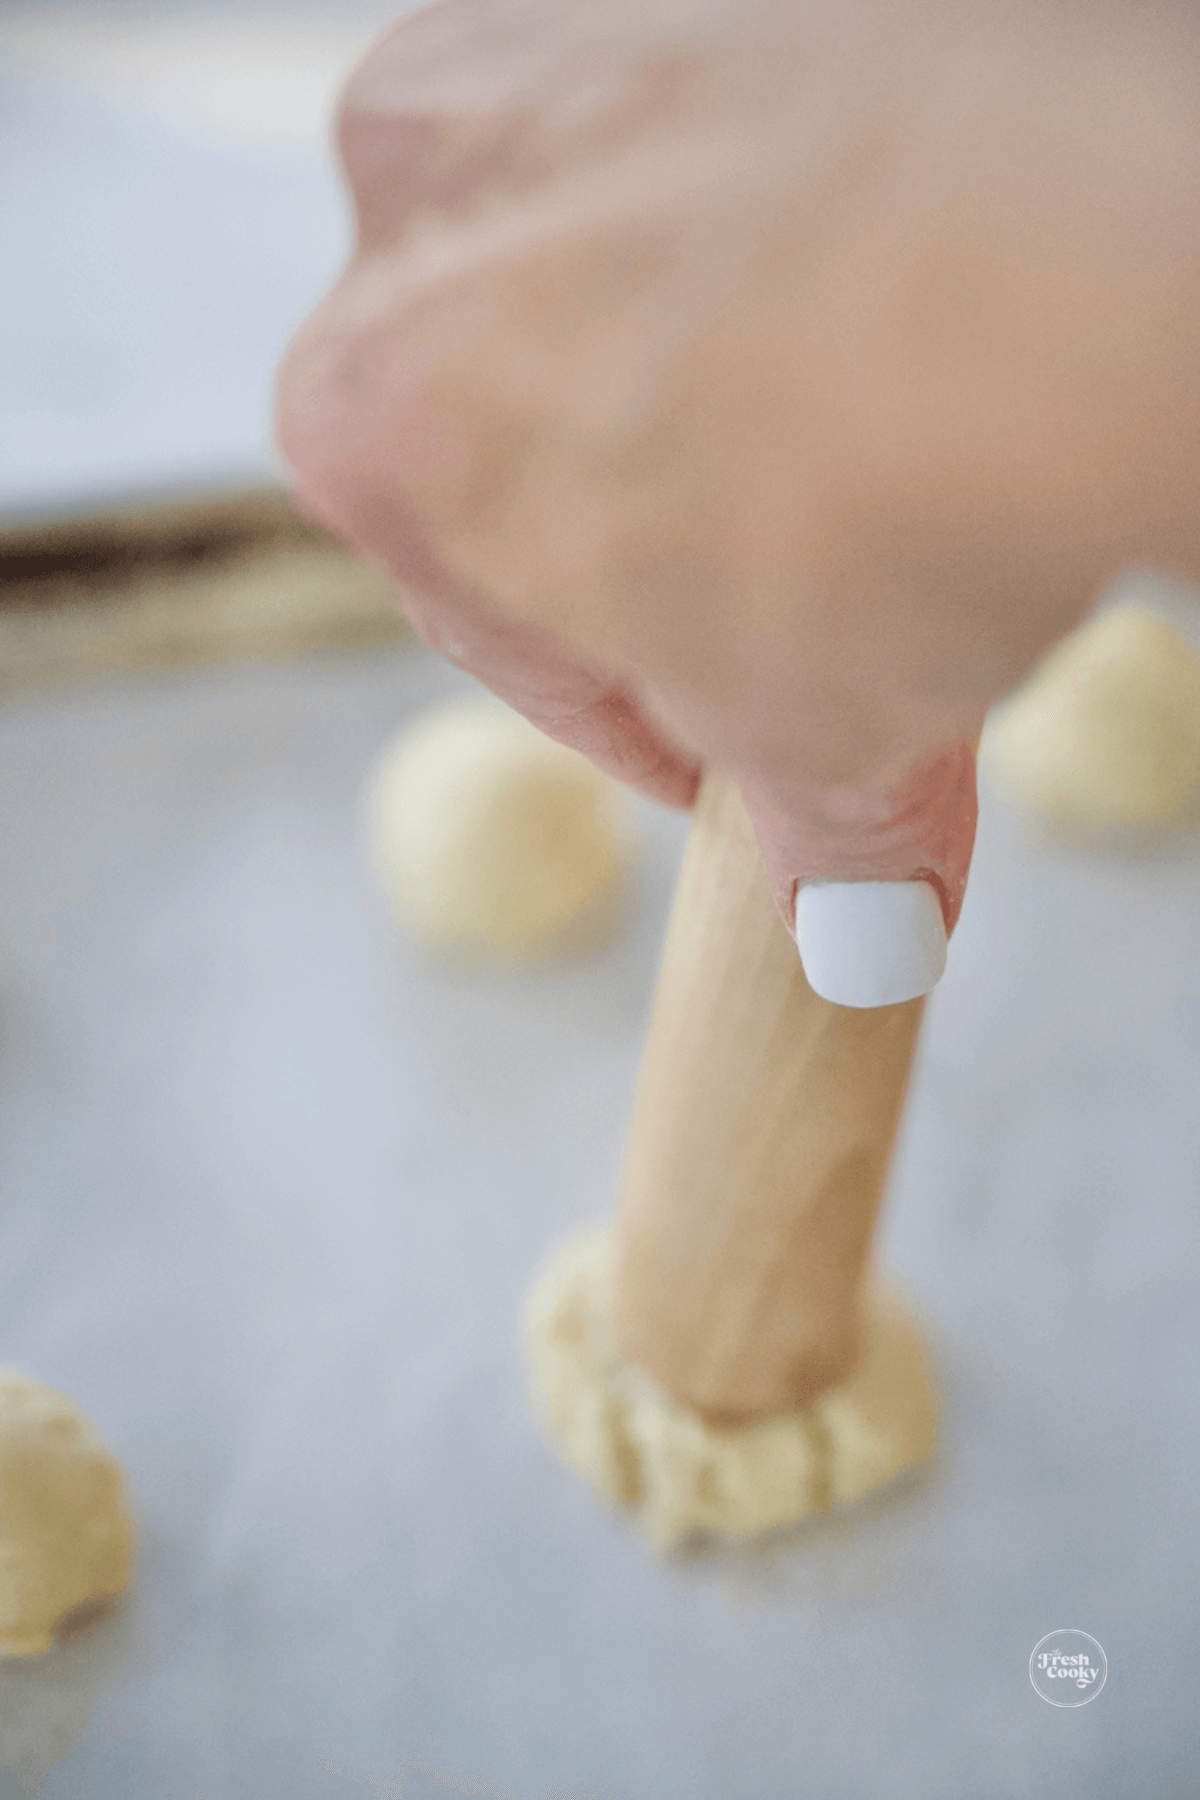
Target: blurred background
{"points": [[272, 1179], [170, 210]]}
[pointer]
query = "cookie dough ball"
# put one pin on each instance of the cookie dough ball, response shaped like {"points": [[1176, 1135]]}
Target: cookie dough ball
{"points": [[491, 839], [65, 1532], [683, 1477], [1103, 740]]}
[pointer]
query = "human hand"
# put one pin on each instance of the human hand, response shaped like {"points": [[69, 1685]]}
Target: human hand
{"points": [[764, 389]]}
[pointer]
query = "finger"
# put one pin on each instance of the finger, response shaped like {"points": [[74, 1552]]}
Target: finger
{"points": [[871, 882], [564, 696], [568, 696]]}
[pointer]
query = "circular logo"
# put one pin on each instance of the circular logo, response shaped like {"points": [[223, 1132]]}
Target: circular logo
{"points": [[1068, 1668]]}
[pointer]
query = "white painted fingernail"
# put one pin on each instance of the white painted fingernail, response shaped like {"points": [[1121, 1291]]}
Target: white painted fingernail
{"points": [[870, 943]]}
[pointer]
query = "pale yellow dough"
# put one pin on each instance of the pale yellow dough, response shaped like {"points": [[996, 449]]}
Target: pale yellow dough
{"points": [[1103, 740], [491, 839], [66, 1541], [683, 1477]]}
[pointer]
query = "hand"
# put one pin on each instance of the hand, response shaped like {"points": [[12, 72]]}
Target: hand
{"points": [[766, 389]]}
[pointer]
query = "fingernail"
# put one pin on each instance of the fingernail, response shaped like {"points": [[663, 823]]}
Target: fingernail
{"points": [[870, 943]]}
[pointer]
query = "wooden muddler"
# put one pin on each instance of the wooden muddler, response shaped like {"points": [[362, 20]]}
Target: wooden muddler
{"points": [[759, 1148]]}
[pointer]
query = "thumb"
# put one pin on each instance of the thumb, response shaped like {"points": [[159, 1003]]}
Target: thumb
{"points": [[870, 878]]}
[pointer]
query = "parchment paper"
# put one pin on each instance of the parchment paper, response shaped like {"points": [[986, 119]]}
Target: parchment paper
{"points": [[271, 1187]]}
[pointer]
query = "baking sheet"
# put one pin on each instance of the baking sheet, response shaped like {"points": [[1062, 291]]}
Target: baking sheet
{"points": [[270, 1190]]}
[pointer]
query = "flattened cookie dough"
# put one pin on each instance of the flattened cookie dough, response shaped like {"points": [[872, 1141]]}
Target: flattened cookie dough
{"points": [[66, 1540], [682, 1476]]}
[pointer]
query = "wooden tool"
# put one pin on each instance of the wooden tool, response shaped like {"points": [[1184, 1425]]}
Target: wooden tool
{"points": [[759, 1149]]}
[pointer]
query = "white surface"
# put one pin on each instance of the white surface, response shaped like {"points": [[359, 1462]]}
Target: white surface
{"points": [[870, 943], [169, 212], [271, 1188]]}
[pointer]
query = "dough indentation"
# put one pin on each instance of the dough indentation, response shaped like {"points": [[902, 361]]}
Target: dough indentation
{"points": [[684, 1477]]}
